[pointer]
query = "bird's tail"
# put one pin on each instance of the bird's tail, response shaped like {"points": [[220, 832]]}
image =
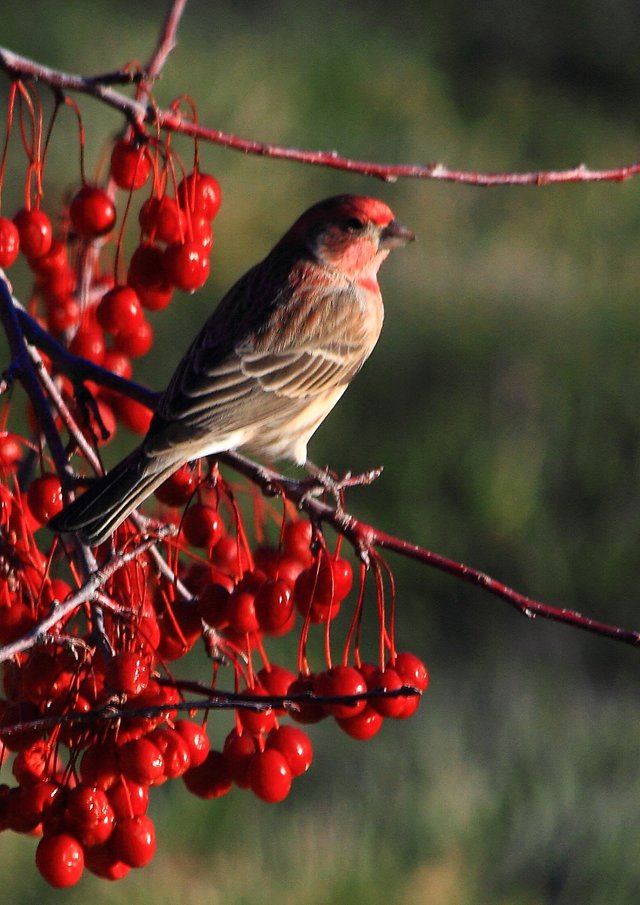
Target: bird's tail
{"points": [[111, 499]]}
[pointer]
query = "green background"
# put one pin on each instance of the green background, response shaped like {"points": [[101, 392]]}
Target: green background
{"points": [[502, 401]]}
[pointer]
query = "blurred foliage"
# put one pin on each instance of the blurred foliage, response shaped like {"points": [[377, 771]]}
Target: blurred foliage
{"points": [[502, 401]]}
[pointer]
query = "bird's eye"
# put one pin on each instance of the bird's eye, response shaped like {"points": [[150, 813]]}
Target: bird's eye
{"points": [[354, 224]]}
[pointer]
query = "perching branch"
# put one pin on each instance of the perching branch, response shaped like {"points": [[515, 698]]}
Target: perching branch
{"points": [[140, 113], [362, 536]]}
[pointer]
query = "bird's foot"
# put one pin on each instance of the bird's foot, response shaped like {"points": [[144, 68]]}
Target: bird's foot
{"points": [[322, 480]]}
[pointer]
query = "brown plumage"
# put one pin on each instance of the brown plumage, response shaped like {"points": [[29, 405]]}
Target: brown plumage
{"points": [[268, 365]]}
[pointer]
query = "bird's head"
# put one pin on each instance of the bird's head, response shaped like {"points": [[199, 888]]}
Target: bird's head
{"points": [[352, 233]]}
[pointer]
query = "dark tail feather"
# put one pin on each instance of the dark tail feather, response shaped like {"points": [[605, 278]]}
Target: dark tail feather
{"points": [[111, 499]]}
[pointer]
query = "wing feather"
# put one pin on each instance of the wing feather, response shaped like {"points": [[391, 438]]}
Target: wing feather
{"points": [[262, 357]]}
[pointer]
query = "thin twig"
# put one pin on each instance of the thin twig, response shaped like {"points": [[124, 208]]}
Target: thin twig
{"points": [[139, 113], [86, 593]]}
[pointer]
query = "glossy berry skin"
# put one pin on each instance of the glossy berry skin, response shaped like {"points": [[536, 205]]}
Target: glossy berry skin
{"points": [[119, 310], [141, 761], [202, 526], [211, 779], [45, 497], [148, 276], [179, 488], [385, 681], [89, 815], [200, 191], [274, 605], [295, 745], [196, 738], [60, 860], [92, 212], [363, 725], [127, 673], [342, 681], [163, 220], [134, 840], [412, 670], [130, 165], [238, 751], [270, 776], [9, 242], [36, 232], [187, 265], [10, 451]]}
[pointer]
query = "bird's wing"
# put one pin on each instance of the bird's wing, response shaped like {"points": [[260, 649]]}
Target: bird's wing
{"points": [[245, 368]]}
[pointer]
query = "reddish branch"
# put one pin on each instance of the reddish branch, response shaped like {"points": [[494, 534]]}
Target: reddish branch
{"points": [[139, 113]]}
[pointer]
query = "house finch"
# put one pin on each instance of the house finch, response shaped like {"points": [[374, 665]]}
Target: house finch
{"points": [[268, 365]]}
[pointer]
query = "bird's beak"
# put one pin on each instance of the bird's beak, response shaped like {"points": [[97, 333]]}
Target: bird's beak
{"points": [[394, 235]]}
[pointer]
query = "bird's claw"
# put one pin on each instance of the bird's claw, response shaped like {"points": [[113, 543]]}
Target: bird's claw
{"points": [[323, 481]]}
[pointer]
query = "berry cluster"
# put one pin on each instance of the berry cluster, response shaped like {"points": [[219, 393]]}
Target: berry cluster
{"points": [[94, 712], [92, 727]]}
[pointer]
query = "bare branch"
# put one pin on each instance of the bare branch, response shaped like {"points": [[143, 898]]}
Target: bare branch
{"points": [[138, 112]]}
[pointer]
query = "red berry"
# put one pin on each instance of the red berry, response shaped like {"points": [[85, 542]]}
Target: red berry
{"points": [[53, 262], [201, 231], [89, 343], [306, 711], [412, 670], [134, 840], [130, 165], [88, 815], [270, 775], [135, 343], [99, 766], [174, 749], [162, 219], [134, 415], [211, 779], [128, 798], [60, 859], [118, 363], [36, 232], [45, 497], [342, 681], [276, 680], [297, 540], [10, 451], [63, 315], [363, 725], [274, 605], [295, 745], [213, 603], [200, 191], [9, 242], [202, 526], [103, 863], [141, 761], [386, 680], [323, 588], [147, 276], [179, 488], [92, 212], [238, 751], [33, 763], [187, 265], [196, 738], [241, 611], [257, 721], [127, 673], [119, 310]]}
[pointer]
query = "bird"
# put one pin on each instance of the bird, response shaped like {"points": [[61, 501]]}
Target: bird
{"points": [[268, 365]]}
